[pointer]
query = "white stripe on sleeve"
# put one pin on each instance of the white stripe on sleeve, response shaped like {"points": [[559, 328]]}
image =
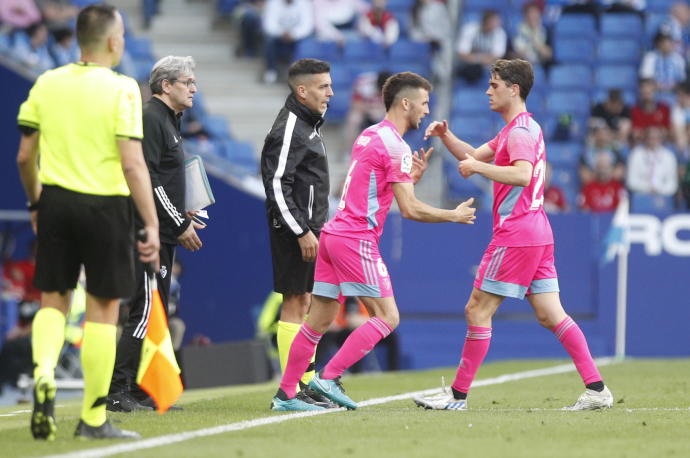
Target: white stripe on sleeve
{"points": [[277, 185]]}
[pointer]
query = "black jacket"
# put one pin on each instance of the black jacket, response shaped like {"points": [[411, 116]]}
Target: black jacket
{"points": [[294, 170], [165, 159]]}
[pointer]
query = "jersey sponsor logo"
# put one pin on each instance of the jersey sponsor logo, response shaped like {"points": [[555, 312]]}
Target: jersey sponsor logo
{"points": [[406, 162], [363, 140]]}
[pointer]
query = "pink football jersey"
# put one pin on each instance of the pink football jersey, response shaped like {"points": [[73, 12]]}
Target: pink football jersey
{"points": [[380, 157], [519, 217]]}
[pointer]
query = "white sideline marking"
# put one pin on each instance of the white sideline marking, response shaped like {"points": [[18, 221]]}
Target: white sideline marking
{"points": [[242, 425]]}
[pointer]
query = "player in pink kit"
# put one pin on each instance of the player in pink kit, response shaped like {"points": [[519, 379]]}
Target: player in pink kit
{"points": [[348, 260], [519, 260]]}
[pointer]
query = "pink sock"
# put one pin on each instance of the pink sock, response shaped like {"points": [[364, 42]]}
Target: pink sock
{"points": [[476, 346], [301, 351], [572, 338], [360, 342]]}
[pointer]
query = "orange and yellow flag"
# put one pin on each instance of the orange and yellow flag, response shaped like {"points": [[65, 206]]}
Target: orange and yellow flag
{"points": [[159, 374]]}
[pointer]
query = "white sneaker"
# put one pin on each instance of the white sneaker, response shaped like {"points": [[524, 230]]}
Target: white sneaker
{"points": [[442, 401], [593, 400]]}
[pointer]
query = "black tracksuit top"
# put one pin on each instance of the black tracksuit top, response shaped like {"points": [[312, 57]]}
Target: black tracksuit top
{"points": [[165, 160], [294, 169]]}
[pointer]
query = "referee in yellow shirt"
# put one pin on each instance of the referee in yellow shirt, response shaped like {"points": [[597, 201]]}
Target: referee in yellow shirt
{"points": [[85, 123]]}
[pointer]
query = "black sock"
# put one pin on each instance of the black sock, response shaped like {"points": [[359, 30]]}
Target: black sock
{"points": [[596, 386], [458, 394], [281, 395]]}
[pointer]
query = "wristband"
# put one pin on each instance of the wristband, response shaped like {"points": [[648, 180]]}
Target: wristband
{"points": [[32, 207]]}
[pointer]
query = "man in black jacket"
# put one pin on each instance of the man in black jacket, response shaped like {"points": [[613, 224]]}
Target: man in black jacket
{"points": [[294, 169], [173, 86]]}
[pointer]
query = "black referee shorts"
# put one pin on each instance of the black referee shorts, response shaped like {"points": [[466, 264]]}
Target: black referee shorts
{"points": [[76, 229], [291, 274]]}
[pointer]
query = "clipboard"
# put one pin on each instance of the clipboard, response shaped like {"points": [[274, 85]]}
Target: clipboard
{"points": [[198, 194]]}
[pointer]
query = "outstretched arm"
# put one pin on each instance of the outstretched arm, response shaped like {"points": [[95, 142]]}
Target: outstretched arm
{"points": [[457, 147]]}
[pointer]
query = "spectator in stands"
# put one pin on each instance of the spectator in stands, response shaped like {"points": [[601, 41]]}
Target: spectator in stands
{"points": [[366, 107], [285, 24], [603, 193], [600, 143], [18, 277], [680, 119], [652, 168], [64, 48], [530, 42], [431, 24], [648, 112], [31, 48], [678, 27], [334, 18], [616, 114], [379, 25], [19, 14], [479, 45], [251, 34], [554, 197], [663, 64]]}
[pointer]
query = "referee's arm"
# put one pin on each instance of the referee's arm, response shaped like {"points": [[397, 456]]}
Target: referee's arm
{"points": [[139, 183], [27, 162]]}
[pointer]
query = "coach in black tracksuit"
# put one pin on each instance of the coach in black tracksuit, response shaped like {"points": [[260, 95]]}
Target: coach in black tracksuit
{"points": [[173, 85], [294, 169]]}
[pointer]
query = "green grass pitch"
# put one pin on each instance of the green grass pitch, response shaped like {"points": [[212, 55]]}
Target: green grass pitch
{"points": [[651, 417]]}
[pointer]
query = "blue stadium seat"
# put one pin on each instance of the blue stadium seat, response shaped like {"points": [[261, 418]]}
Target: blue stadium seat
{"points": [[473, 126], [566, 179], [240, 154], [408, 50], [576, 26], [569, 76], [324, 50], [479, 5], [338, 106], [468, 101], [225, 7], [139, 48], [217, 127], [458, 186], [619, 51], [629, 96], [420, 67], [616, 76], [653, 21], [648, 203], [621, 25], [573, 102], [660, 6], [400, 5], [573, 51], [358, 50], [563, 154], [341, 77]]}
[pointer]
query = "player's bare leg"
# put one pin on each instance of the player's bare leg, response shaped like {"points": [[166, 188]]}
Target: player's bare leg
{"points": [[550, 314]]}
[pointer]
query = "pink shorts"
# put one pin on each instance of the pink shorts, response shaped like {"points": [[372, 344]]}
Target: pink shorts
{"points": [[351, 267], [516, 271]]}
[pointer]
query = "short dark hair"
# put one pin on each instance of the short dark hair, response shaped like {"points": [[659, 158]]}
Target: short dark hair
{"points": [[306, 67], [93, 23], [401, 81], [515, 71]]}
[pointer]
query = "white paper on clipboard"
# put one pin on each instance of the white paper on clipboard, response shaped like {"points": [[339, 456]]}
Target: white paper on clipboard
{"points": [[198, 194]]}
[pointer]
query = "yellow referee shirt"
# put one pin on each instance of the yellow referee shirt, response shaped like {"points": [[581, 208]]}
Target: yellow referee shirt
{"points": [[80, 110]]}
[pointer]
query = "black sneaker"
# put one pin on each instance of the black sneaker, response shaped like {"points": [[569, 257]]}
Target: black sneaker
{"points": [[149, 402], [105, 431], [43, 417], [124, 402], [317, 399]]}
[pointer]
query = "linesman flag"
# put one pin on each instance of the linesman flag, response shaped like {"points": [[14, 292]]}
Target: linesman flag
{"points": [[159, 374]]}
